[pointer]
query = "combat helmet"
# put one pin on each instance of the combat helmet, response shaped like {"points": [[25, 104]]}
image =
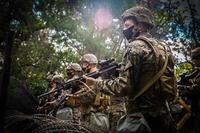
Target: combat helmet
{"points": [[90, 58], [49, 77], [139, 14], [58, 79], [74, 66]]}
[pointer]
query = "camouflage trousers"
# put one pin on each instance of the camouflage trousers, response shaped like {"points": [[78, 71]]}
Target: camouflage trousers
{"points": [[133, 123], [113, 119], [77, 115], [97, 122]]}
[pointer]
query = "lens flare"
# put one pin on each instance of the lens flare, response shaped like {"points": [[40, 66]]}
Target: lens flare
{"points": [[103, 18]]}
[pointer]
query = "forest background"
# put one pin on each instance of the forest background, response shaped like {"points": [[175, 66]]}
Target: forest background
{"points": [[38, 37]]}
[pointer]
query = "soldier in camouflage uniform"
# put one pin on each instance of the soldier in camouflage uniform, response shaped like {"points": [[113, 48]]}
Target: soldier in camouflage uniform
{"points": [[57, 80], [48, 103], [189, 87], [43, 100], [147, 77], [74, 71], [94, 104], [189, 84]]}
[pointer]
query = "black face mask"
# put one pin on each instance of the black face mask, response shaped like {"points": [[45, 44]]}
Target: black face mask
{"points": [[69, 74], [86, 70], [129, 33]]}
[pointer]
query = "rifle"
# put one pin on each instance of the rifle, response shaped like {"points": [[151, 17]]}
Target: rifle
{"points": [[109, 74], [108, 66]]}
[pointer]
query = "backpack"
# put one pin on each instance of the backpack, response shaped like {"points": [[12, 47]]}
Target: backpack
{"points": [[165, 76]]}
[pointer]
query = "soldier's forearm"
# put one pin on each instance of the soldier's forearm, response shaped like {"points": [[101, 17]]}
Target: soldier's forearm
{"points": [[111, 87]]}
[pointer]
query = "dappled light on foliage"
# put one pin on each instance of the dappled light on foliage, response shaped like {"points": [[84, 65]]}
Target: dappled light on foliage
{"points": [[41, 37], [50, 34]]}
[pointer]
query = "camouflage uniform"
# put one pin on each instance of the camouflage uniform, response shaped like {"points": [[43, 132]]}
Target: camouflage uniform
{"points": [[45, 103], [189, 90], [94, 104], [75, 105], [190, 84], [57, 80], [117, 110], [93, 112], [140, 63], [69, 109]]}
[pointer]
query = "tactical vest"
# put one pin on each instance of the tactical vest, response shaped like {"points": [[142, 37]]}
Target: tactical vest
{"points": [[165, 76]]}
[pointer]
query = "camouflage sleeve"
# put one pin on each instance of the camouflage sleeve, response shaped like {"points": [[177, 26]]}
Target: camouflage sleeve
{"points": [[86, 97], [112, 87], [130, 71]]}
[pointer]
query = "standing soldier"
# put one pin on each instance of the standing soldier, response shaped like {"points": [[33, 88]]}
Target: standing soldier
{"points": [[94, 103], [147, 77]]}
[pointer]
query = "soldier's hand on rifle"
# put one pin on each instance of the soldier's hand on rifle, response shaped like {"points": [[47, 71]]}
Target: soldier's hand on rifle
{"points": [[51, 104], [89, 81], [46, 107]]}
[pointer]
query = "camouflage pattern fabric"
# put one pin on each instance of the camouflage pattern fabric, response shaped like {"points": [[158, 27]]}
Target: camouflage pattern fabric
{"points": [[139, 65], [141, 14], [93, 109], [97, 122], [91, 114], [117, 110], [114, 116]]}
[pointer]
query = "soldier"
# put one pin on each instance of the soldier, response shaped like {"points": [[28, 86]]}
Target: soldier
{"points": [[94, 104], [56, 81], [147, 77], [189, 87], [43, 100], [74, 70], [89, 63]]}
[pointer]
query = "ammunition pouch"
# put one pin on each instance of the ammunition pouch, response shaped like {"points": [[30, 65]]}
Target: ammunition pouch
{"points": [[102, 101]]}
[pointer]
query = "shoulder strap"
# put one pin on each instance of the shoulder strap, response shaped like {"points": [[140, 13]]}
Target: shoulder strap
{"points": [[156, 77]]}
